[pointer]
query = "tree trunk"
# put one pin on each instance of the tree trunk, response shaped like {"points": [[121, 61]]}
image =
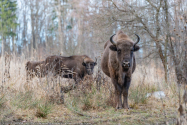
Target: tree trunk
{"points": [[80, 35], [61, 43], [13, 44], [32, 28], [160, 52], [2, 59], [166, 40], [179, 69]]}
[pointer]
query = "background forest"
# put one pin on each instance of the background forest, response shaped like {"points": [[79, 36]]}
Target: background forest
{"points": [[34, 29]]}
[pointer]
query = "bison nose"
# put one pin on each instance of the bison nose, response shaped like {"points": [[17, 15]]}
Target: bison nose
{"points": [[89, 72], [126, 64]]}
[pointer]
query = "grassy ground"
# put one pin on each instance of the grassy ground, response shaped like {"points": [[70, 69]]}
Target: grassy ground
{"points": [[37, 102]]}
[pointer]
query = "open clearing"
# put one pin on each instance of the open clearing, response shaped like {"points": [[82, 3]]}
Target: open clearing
{"points": [[37, 102]]}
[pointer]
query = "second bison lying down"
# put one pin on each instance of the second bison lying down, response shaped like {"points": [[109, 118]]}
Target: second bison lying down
{"points": [[75, 67]]}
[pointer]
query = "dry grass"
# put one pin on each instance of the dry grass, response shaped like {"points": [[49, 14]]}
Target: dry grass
{"points": [[39, 100]]}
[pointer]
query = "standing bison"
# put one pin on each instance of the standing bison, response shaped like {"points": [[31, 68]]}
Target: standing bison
{"points": [[118, 62], [75, 67]]}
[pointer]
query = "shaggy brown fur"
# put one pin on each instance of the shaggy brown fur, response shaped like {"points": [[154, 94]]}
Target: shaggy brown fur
{"points": [[75, 67], [118, 62], [34, 68]]}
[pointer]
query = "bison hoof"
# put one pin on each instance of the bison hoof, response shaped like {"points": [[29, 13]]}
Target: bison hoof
{"points": [[119, 107], [126, 108]]}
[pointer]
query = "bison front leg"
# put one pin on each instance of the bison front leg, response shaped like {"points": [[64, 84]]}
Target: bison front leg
{"points": [[125, 92], [118, 92], [118, 99], [28, 76]]}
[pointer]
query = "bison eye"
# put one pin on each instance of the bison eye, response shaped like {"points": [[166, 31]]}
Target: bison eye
{"points": [[119, 51]]}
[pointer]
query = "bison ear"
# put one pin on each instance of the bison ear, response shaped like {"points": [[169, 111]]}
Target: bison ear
{"points": [[113, 48], [83, 64], [136, 48]]}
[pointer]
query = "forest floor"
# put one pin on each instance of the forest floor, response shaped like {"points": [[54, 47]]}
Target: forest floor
{"points": [[153, 112], [35, 102]]}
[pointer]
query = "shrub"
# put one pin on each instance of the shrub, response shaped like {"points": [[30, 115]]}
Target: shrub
{"points": [[138, 93], [43, 110]]}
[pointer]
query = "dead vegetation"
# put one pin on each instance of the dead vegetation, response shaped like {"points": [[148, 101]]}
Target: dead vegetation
{"points": [[91, 101]]}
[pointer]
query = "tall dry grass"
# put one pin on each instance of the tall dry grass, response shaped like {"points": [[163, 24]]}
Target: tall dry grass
{"points": [[39, 99]]}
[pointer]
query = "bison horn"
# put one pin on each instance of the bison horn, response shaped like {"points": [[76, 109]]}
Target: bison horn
{"points": [[95, 59], [138, 39], [112, 41]]}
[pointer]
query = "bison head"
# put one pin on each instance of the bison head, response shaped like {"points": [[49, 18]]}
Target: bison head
{"points": [[89, 65], [124, 48]]}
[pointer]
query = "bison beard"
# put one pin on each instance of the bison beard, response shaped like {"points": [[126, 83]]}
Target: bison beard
{"points": [[118, 62]]}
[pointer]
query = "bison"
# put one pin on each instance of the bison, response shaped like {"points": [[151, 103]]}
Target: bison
{"points": [[75, 67], [118, 62], [35, 68]]}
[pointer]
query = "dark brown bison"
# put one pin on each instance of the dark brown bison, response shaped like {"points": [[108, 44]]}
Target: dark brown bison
{"points": [[35, 68], [75, 67], [118, 62]]}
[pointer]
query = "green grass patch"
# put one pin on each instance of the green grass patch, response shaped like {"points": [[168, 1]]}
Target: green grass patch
{"points": [[138, 93], [43, 110], [24, 100], [2, 100]]}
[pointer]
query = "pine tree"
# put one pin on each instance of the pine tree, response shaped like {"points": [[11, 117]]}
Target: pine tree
{"points": [[7, 18], [7, 22]]}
